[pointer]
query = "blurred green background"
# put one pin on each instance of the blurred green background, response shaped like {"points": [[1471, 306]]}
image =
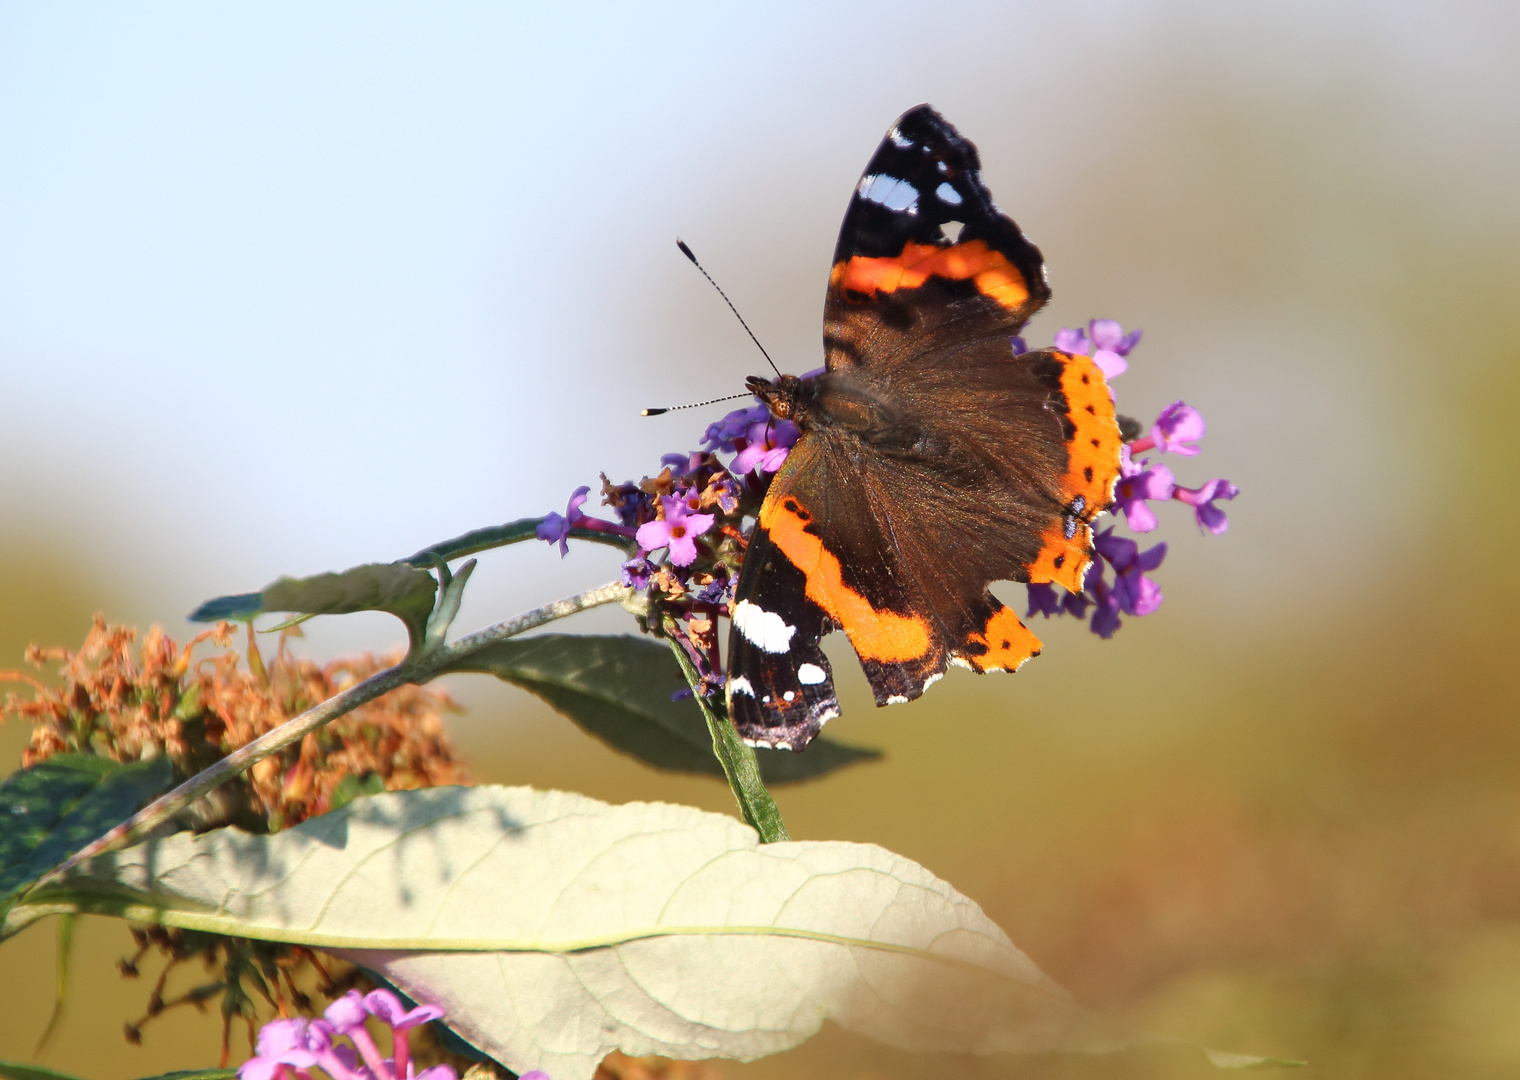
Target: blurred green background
{"points": [[284, 289]]}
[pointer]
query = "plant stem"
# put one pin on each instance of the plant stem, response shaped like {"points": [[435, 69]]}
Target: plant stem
{"points": [[413, 670], [737, 759]]}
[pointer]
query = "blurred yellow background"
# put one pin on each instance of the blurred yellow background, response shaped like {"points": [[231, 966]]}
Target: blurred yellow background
{"points": [[284, 290]]}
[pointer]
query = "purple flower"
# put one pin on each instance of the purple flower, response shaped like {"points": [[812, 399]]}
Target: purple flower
{"points": [[1043, 600], [1072, 341], [721, 434], [1105, 617], [678, 531], [637, 572], [1137, 483], [716, 591], [1177, 430], [556, 528], [387, 1006], [768, 443], [1202, 499], [1133, 592], [281, 1043], [302, 1043], [682, 464], [726, 490], [1111, 346], [346, 1015], [1020, 346]]}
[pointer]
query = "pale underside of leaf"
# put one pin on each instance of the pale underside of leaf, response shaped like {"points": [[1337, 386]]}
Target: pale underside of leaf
{"points": [[555, 928]]}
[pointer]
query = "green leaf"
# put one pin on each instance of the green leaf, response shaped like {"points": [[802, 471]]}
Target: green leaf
{"points": [[404, 591], [58, 806], [554, 928], [14, 1070], [618, 688]]}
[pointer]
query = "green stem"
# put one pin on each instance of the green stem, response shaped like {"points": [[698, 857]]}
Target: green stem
{"points": [[412, 670], [495, 536], [737, 759]]}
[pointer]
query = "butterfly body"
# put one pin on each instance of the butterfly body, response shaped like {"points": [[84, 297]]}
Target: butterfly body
{"points": [[933, 458]]}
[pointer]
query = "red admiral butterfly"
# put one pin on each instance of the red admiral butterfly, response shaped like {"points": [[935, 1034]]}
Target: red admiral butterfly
{"points": [[933, 459]]}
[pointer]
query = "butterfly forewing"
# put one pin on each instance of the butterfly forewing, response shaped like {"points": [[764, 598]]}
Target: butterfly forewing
{"points": [[924, 251]]}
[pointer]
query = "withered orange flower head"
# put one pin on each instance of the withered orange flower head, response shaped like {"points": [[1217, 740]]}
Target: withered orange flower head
{"points": [[162, 700]]}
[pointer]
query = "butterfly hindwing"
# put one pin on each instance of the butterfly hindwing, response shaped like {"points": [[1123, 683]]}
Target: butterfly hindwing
{"points": [[780, 687]]}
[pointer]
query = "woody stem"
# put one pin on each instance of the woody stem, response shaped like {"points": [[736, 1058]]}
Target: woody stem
{"points": [[738, 760]]}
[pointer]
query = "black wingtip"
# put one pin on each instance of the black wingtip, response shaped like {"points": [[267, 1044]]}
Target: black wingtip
{"points": [[686, 250]]}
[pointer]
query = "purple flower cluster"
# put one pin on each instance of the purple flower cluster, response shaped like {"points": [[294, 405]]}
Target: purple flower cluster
{"points": [[682, 527], [1116, 582], [295, 1047]]}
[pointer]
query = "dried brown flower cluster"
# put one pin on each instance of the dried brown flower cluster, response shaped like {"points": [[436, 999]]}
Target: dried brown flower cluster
{"points": [[162, 701]]}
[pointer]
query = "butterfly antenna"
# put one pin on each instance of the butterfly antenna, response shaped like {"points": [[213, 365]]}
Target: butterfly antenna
{"points": [[687, 252], [693, 405]]}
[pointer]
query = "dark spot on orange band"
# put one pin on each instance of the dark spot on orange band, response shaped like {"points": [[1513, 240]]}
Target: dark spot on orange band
{"points": [[1016, 643], [1088, 484]]}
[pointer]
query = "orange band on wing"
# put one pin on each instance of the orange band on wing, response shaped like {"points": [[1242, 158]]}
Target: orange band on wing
{"points": [[876, 635], [1007, 640], [991, 272], [1092, 469]]}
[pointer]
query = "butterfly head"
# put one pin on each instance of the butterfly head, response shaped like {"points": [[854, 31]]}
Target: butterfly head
{"points": [[788, 397]]}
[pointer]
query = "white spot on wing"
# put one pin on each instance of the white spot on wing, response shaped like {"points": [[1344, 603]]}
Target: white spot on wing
{"points": [[899, 140], [889, 191], [811, 674], [763, 629], [961, 661], [788, 696], [897, 699], [740, 685], [932, 679], [947, 194]]}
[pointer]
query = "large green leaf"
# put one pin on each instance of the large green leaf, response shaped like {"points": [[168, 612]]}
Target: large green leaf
{"points": [[58, 806], [404, 591], [619, 688], [555, 928]]}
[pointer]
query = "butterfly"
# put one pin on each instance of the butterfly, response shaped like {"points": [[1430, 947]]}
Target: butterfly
{"points": [[933, 458]]}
